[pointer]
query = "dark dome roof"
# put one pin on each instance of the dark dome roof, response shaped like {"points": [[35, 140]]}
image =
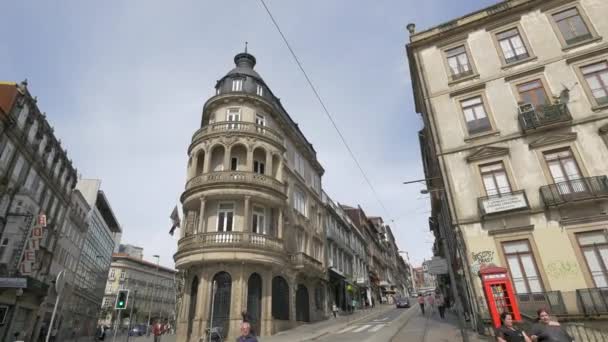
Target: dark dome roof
{"points": [[244, 65]]}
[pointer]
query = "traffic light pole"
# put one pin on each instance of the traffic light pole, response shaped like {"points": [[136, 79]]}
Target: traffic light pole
{"points": [[116, 325], [131, 315]]}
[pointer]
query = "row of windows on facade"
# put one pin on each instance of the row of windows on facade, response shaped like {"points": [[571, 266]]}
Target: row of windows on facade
{"points": [[562, 166], [234, 115], [350, 239], [237, 85], [532, 94], [8, 149], [572, 26], [344, 262], [124, 273], [523, 266]]}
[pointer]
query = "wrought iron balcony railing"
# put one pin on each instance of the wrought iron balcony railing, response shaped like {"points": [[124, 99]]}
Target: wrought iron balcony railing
{"points": [[593, 301], [504, 202], [574, 190], [303, 260], [545, 115], [551, 300]]}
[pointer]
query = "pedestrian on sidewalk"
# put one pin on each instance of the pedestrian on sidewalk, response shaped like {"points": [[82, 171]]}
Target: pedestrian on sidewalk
{"points": [[246, 335], [334, 309], [547, 330], [421, 303], [508, 333], [157, 330], [440, 305], [430, 301]]}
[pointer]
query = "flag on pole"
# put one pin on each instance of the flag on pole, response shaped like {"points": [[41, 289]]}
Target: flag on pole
{"points": [[174, 221]]}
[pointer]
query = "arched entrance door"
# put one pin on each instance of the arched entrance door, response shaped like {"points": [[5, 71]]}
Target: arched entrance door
{"points": [[302, 304], [254, 301], [220, 304], [192, 306]]}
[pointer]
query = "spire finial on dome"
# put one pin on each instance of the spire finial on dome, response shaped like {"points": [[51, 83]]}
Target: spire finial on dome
{"points": [[245, 47]]}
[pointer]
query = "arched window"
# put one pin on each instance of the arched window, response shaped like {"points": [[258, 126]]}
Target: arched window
{"points": [[280, 298], [221, 302], [192, 307], [302, 304], [254, 301]]}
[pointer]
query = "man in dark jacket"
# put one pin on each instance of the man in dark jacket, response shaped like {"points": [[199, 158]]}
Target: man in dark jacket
{"points": [[246, 335]]}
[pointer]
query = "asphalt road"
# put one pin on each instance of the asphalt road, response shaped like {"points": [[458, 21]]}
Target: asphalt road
{"points": [[365, 329]]}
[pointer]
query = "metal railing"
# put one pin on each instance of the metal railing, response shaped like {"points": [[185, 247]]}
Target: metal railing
{"points": [[574, 190], [225, 127], [230, 240], [236, 177], [504, 202], [593, 301], [551, 300], [302, 259], [544, 115]]}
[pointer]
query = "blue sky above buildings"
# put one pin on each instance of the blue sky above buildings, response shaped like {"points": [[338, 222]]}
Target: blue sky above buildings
{"points": [[124, 82]]}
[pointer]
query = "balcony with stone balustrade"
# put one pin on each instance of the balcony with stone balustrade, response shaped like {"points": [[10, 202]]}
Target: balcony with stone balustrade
{"points": [[238, 128], [233, 245]]}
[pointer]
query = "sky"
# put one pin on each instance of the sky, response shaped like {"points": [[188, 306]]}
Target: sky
{"points": [[124, 82]]}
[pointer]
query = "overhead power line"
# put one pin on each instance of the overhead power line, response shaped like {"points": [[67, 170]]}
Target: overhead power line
{"points": [[333, 122]]}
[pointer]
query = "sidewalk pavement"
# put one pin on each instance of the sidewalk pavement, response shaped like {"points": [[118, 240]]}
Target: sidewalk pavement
{"points": [[308, 332], [433, 328]]}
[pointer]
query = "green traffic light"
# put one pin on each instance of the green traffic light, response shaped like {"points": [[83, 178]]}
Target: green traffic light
{"points": [[121, 303]]}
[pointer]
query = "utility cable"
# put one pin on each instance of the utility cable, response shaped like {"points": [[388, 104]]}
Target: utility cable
{"points": [[331, 119]]}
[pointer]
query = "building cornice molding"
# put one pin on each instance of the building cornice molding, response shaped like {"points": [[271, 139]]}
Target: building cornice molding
{"points": [[552, 139], [487, 152]]}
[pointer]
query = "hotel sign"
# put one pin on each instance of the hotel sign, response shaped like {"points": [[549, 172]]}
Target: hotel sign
{"points": [[497, 204]]}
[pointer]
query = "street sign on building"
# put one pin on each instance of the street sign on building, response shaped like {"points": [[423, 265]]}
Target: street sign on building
{"points": [[438, 265]]}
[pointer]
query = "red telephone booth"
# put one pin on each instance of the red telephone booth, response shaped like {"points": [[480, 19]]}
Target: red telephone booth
{"points": [[499, 293]]}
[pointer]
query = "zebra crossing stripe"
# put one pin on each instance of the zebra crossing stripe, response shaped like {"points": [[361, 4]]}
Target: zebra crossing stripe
{"points": [[377, 327], [362, 328], [347, 329]]}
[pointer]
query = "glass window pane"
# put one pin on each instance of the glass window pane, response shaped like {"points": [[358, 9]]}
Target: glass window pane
{"points": [[506, 49], [488, 182], [471, 102], [580, 29], [229, 221], [594, 67], [591, 238], [507, 34], [556, 171], [529, 86], [564, 28], [464, 62], [455, 51], [453, 63], [220, 221], [565, 14], [516, 246], [502, 182], [571, 169]]}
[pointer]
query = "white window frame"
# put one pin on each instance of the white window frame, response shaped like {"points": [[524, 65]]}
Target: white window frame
{"points": [[237, 84], [236, 164], [259, 167], [260, 119], [259, 90], [225, 211], [258, 220], [7, 153], [299, 201], [112, 274], [233, 115]]}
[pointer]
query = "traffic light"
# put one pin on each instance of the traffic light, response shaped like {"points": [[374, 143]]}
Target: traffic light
{"points": [[121, 299]]}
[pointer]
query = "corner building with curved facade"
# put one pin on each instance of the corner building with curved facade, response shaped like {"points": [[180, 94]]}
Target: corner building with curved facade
{"points": [[253, 212]]}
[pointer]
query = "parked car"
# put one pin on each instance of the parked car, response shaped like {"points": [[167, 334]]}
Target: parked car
{"points": [[402, 303], [137, 330]]}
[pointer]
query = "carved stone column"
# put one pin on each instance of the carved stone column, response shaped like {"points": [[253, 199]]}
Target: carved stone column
{"points": [[249, 166], [227, 158], [280, 224], [207, 162], [192, 167], [247, 215], [268, 170], [279, 175], [201, 216]]}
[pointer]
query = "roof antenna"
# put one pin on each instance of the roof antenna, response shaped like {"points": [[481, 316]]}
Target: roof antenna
{"points": [[245, 47]]}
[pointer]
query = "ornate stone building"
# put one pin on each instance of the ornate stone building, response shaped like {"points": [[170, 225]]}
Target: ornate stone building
{"points": [[253, 210]]}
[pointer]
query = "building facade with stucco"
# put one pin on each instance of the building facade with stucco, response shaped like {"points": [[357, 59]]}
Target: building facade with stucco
{"points": [[514, 100], [252, 238]]}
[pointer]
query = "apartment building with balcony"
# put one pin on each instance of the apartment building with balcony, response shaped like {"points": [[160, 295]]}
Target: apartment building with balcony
{"points": [[36, 182], [253, 215], [346, 259], [514, 101], [152, 290]]}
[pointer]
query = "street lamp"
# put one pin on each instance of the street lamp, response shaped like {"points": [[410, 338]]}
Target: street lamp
{"points": [[157, 257], [448, 256]]}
